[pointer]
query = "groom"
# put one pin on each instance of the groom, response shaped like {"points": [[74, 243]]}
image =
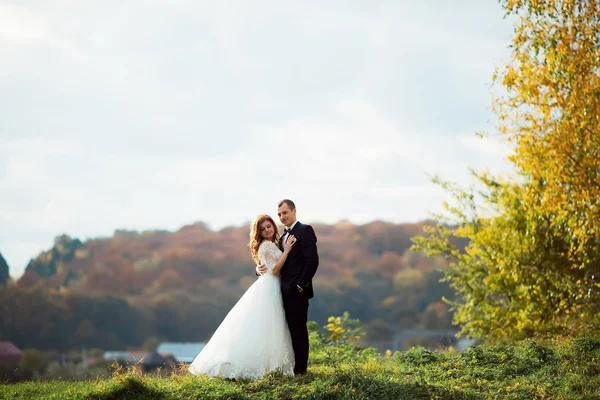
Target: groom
{"points": [[296, 279]]}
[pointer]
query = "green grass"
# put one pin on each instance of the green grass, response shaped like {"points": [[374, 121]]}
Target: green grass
{"points": [[569, 369]]}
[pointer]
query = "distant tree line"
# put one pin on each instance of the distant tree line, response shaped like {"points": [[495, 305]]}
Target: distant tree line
{"points": [[120, 291]]}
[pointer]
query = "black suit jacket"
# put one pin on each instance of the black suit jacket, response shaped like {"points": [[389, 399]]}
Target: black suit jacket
{"points": [[302, 262]]}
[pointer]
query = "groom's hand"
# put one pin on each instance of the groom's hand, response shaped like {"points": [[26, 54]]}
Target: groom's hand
{"points": [[261, 269]]}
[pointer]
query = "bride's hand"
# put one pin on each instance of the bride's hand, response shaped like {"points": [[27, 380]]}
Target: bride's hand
{"points": [[289, 243]]}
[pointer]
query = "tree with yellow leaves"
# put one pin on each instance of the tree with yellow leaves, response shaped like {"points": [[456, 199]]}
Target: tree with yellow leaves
{"points": [[552, 114], [533, 263]]}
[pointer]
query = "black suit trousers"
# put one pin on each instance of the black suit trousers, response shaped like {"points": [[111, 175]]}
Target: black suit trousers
{"points": [[296, 313]]}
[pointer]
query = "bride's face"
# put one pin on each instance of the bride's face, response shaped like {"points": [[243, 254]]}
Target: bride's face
{"points": [[267, 230]]}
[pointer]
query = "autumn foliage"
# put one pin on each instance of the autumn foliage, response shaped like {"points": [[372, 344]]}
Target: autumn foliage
{"points": [[533, 263], [123, 290]]}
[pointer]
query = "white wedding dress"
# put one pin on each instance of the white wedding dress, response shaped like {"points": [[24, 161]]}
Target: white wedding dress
{"points": [[254, 338]]}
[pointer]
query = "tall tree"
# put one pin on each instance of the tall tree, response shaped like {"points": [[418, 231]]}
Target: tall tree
{"points": [[533, 262], [3, 270], [551, 112], [52, 261]]}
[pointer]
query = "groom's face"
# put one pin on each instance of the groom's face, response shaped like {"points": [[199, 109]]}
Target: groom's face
{"points": [[286, 215]]}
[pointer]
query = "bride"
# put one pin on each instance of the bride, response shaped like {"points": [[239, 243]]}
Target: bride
{"points": [[254, 337]]}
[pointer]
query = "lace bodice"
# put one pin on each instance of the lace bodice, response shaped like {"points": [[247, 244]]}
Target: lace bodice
{"points": [[268, 253]]}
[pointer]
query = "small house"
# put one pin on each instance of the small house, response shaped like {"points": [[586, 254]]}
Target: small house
{"points": [[182, 352], [9, 353]]}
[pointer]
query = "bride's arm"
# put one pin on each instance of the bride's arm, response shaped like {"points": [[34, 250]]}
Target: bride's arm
{"points": [[280, 262], [289, 243], [270, 255]]}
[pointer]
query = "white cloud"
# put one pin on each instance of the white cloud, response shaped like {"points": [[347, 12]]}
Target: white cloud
{"points": [[21, 26], [154, 114], [487, 145]]}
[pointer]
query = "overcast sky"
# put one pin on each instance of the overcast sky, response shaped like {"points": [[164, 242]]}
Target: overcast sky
{"points": [[156, 114]]}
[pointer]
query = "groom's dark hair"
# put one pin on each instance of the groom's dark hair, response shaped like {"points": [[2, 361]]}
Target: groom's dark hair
{"points": [[288, 202]]}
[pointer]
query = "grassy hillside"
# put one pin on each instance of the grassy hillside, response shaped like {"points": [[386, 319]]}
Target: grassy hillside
{"points": [[565, 369]]}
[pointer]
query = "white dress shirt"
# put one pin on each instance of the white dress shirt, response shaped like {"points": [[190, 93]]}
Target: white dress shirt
{"points": [[284, 237]]}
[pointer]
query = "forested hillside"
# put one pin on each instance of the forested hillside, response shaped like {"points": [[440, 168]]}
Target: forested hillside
{"points": [[120, 291]]}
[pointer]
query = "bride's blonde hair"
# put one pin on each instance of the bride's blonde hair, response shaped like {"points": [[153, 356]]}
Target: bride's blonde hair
{"points": [[256, 238]]}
